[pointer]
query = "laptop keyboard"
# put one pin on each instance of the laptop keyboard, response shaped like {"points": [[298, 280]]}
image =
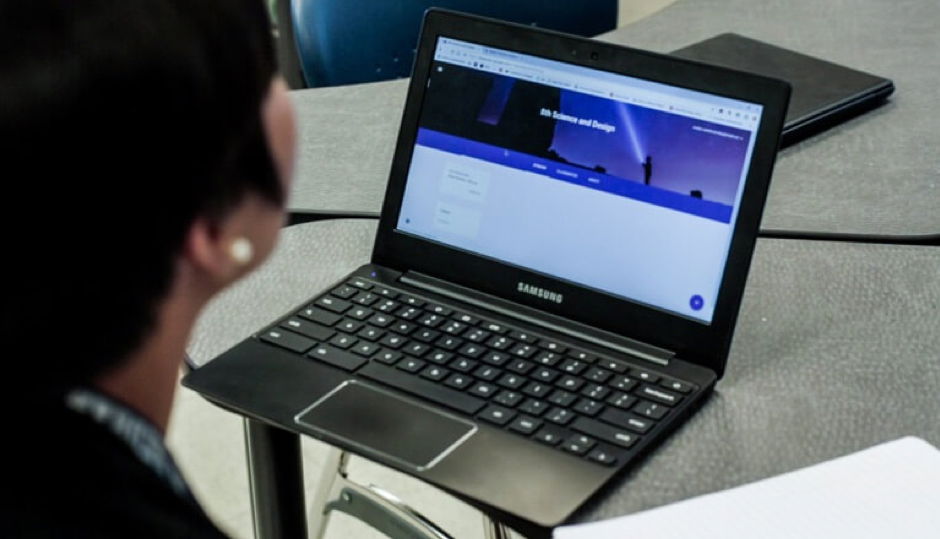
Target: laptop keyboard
{"points": [[546, 389]]}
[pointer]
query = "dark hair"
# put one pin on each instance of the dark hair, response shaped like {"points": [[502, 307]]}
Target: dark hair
{"points": [[121, 122]]}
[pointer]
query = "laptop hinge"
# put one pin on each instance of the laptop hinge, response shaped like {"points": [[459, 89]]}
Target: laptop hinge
{"points": [[535, 317]]}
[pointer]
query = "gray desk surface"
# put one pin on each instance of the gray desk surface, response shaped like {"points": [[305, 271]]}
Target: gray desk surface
{"points": [[837, 349], [879, 173]]}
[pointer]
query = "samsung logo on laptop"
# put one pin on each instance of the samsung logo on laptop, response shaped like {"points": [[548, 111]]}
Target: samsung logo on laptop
{"points": [[540, 293]]}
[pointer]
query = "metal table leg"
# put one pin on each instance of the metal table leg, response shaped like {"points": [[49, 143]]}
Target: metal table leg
{"points": [[275, 475]]}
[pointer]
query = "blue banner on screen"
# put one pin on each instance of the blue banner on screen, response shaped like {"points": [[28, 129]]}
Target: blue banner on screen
{"points": [[622, 185]]}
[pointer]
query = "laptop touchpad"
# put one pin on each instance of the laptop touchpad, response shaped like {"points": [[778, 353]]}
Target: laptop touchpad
{"points": [[377, 421]]}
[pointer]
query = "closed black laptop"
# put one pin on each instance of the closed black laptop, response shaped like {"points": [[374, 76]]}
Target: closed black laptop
{"points": [[554, 284]]}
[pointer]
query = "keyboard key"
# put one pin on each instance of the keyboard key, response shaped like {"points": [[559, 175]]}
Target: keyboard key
{"points": [[581, 355], [525, 425], [465, 318], [596, 429], [337, 358], [524, 336], [449, 343], [534, 407], [370, 333], [386, 292], [618, 367], [459, 381], [549, 435], [360, 283], [520, 366], [497, 415], [344, 292], [389, 357], [601, 456], [403, 328], [495, 358], [562, 398], [438, 309], [440, 357], [335, 305], [315, 314], [621, 400], [360, 313], [537, 389], [393, 341], [343, 341], [463, 364], [500, 342], [411, 301], [416, 349], [549, 359], [431, 391], [435, 373], [426, 335], [512, 381], [487, 373], [365, 348], [650, 410], [553, 346], [476, 335], [409, 313], [472, 350], [453, 328], [661, 396], [573, 366], [570, 383], [560, 416], [508, 398], [494, 327], [598, 375], [349, 326], [308, 329], [645, 375], [626, 420], [676, 385], [623, 383], [288, 340], [430, 320], [386, 306], [381, 320], [523, 350], [578, 444], [544, 374], [588, 407], [483, 390], [365, 299], [595, 391], [411, 364]]}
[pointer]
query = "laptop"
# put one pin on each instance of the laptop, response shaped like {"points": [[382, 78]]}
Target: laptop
{"points": [[555, 279]]}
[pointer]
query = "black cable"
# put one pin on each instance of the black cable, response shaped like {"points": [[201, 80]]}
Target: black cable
{"points": [[298, 217], [881, 239]]}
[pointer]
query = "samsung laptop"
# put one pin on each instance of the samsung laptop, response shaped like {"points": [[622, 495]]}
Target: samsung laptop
{"points": [[561, 256]]}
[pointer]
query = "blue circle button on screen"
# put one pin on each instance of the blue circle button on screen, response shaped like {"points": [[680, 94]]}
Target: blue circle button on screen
{"points": [[696, 302]]}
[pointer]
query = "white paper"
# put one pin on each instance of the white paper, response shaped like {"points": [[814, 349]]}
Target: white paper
{"points": [[887, 491]]}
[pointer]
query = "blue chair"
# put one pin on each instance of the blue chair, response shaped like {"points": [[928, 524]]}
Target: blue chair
{"points": [[347, 42]]}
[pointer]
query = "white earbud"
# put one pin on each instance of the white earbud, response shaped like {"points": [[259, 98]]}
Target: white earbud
{"points": [[242, 251]]}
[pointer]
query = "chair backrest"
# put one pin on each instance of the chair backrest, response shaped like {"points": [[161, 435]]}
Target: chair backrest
{"points": [[351, 41]]}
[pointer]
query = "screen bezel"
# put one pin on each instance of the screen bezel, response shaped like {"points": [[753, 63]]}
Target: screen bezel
{"points": [[695, 341]]}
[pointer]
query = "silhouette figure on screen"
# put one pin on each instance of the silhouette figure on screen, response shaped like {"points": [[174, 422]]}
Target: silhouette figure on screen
{"points": [[647, 170], [696, 194]]}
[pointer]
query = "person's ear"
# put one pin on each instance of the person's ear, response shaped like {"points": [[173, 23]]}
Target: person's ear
{"points": [[218, 250]]}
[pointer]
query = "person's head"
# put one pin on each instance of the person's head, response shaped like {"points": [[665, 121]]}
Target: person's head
{"points": [[143, 142]]}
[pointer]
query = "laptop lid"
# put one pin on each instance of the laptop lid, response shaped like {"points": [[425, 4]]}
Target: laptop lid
{"points": [[616, 188]]}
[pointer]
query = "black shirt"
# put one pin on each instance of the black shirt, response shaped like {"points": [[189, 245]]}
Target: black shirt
{"points": [[84, 465]]}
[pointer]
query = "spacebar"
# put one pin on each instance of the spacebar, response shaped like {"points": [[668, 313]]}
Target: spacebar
{"points": [[417, 386]]}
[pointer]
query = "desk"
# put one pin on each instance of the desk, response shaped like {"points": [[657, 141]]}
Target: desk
{"points": [[879, 173], [837, 349]]}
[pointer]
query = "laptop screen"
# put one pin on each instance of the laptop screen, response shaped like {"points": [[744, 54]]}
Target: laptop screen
{"points": [[619, 184]]}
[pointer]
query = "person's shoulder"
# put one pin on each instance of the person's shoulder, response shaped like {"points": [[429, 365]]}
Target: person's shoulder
{"points": [[76, 479]]}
